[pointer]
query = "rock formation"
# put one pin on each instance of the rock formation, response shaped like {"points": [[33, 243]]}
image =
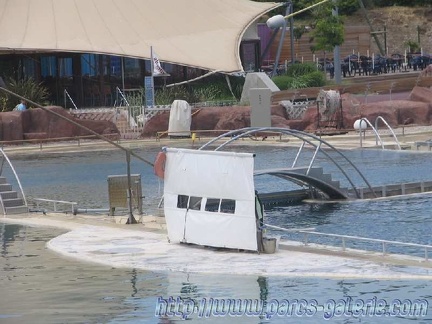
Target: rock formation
{"points": [[36, 123], [415, 110]]}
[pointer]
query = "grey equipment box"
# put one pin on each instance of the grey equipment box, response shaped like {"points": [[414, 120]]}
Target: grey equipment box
{"points": [[118, 192]]}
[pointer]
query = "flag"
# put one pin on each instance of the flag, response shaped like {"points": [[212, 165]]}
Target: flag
{"points": [[157, 68]]}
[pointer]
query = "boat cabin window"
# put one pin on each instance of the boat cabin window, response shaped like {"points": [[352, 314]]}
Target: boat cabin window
{"points": [[195, 203], [227, 206], [212, 204], [182, 201]]}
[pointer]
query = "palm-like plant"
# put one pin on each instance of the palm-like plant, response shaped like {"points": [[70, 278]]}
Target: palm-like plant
{"points": [[27, 88]]}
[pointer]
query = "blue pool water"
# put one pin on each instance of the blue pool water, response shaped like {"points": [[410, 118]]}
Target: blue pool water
{"points": [[42, 287]]}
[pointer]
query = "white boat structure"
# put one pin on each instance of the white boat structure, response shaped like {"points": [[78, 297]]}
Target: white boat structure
{"points": [[210, 199]]}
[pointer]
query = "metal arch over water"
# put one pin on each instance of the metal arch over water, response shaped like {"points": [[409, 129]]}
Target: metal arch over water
{"points": [[307, 139]]}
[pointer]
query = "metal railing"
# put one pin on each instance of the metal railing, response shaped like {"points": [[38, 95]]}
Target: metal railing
{"points": [[362, 131], [67, 96], [16, 179], [72, 205], [303, 136], [388, 126], [375, 130], [122, 96], [46, 141], [344, 238]]}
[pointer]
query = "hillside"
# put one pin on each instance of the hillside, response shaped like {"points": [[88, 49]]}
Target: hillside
{"points": [[402, 23]]}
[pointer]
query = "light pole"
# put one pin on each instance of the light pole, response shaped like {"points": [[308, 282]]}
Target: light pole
{"points": [[336, 54], [279, 21], [291, 23]]}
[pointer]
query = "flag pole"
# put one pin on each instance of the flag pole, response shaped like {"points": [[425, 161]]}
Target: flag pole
{"points": [[152, 73], [151, 60]]}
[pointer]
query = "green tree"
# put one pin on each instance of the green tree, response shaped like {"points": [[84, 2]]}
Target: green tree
{"points": [[328, 31], [407, 3], [347, 7], [327, 34], [414, 47]]}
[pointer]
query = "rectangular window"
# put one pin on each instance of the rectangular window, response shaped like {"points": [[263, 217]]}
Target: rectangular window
{"points": [[227, 206], [65, 67], [48, 66], [195, 203], [182, 201], [116, 66], [131, 68], [89, 64], [215, 205], [212, 205], [29, 68]]}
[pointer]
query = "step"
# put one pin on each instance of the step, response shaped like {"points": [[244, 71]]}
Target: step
{"points": [[315, 172], [335, 183], [325, 177], [3, 180], [9, 194], [5, 187], [16, 210], [14, 202]]}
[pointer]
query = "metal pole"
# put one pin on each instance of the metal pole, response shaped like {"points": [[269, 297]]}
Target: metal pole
{"points": [[418, 35], [272, 38], [122, 72], [281, 40], [131, 219], [276, 63], [385, 40], [291, 23], [374, 35], [336, 56]]}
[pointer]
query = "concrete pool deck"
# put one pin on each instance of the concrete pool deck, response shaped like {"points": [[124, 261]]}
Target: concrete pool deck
{"points": [[105, 241], [407, 136]]}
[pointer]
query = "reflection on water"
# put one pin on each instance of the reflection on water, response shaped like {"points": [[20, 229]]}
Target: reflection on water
{"points": [[45, 288], [42, 287]]}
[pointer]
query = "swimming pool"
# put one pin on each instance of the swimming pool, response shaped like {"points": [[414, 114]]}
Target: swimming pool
{"points": [[45, 288]]}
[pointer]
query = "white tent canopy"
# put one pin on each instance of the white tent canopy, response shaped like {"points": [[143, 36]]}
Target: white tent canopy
{"points": [[198, 33]]}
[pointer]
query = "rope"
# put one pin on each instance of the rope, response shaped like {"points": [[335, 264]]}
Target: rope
{"points": [[187, 81]]}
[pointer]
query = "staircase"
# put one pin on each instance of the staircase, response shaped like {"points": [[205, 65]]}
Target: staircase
{"points": [[116, 115], [318, 173], [313, 176], [12, 204]]}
